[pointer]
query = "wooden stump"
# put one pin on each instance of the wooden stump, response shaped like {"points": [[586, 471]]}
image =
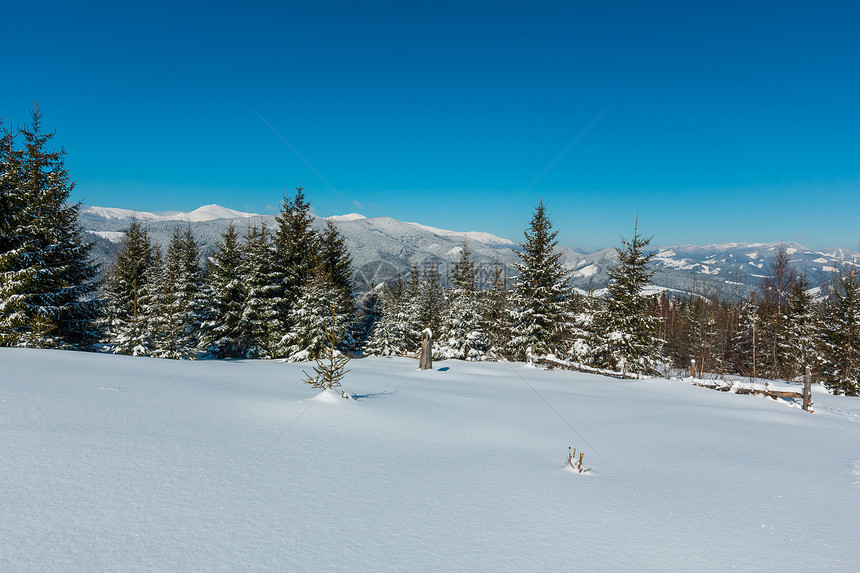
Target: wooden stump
{"points": [[426, 360], [807, 389]]}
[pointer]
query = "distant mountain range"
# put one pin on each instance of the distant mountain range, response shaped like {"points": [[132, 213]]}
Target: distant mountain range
{"points": [[383, 247]]}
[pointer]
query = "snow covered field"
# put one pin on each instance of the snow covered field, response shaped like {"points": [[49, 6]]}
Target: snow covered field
{"points": [[119, 463]]}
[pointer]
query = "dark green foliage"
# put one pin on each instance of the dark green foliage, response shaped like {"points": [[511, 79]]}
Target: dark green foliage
{"points": [[497, 313], [123, 290], [263, 294], [297, 251], [46, 274], [462, 335], [177, 311], [540, 291], [840, 337], [629, 329], [227, 332]]}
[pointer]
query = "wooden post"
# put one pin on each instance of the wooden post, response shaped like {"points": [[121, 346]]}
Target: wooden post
{"points": [[807, 389], [426, 360], [692, 368]]}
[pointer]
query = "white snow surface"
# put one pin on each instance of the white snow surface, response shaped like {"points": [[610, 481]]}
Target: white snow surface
{"points": [[204, 213], [478, 236], [347, 217], [114, 463]]}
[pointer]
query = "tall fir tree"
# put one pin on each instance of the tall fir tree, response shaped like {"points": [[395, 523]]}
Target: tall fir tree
{"points": [[47, 276], [337, 260], [801, 326], [496, 308], [227, 332], [839, 366], [631, 344], [746, 343], [541, 290], [123, 289], [391, 333], [462, 335], [176, 317], [775, 288], [297, 252], [430, 299], [263, 293]]}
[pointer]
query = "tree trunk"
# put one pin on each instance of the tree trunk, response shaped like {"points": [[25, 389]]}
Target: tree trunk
{"points": [[426, 360]]}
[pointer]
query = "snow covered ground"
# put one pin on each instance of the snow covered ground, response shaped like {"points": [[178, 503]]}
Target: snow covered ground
{"points": [[120, 463]]}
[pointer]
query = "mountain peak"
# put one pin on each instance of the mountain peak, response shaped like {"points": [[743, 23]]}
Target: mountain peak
{"points": [[204, 213]]}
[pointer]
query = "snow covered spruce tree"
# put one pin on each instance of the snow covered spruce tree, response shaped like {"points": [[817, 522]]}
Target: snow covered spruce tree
{"points": [[263, 293], [840, 337], [313, 317], [745, 344], [540, 291], [392, 331], [297, 253], [630, 342], [775, 288], [430, 300], [337, 262], [46, 274], [800, 330], [177, 312], [496, 323], [123, 291], [462, 336], [583, 328], [227, 332]]}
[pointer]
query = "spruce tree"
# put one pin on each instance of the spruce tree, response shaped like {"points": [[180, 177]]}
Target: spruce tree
{"points": [[46, 273], [297, 251], [263, 294], [840, 338], [629, 329], [430, 302], [540, 291], [123, 289], [496, 308], [176, 320], [338, 262], [462, 335], [585, 339], [799, 341], [391, 333], [746, 344], [312, 318], [227, 333]]}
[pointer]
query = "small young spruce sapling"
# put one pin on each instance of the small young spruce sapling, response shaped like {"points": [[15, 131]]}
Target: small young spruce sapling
{"points": [[331, 366]]}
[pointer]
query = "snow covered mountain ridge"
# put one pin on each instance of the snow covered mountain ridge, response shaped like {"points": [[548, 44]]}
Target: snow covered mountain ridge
{"points": [[204, 213], [376, 243]]}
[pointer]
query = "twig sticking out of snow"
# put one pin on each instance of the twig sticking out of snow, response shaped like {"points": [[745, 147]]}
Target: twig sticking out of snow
{"points": [[574, 462]]}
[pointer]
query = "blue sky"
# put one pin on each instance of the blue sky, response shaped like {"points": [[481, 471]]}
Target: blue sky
{"points": [[714, 121]]}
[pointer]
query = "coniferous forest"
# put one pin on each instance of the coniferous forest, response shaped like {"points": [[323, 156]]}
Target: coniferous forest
{"points": [[278, 292]]}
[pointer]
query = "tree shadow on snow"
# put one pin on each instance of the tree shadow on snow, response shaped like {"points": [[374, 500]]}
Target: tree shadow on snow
{"points": [[375, 394]]}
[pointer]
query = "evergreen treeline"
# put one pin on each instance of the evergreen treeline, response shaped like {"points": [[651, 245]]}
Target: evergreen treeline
{"points": [[268, 293], [262, 295]]}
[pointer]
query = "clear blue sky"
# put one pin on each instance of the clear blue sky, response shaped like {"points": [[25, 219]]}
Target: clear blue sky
{"points": [[721, 121]]}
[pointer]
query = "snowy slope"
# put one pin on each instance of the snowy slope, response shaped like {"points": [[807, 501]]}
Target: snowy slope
{"points": [[124, 464]]}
